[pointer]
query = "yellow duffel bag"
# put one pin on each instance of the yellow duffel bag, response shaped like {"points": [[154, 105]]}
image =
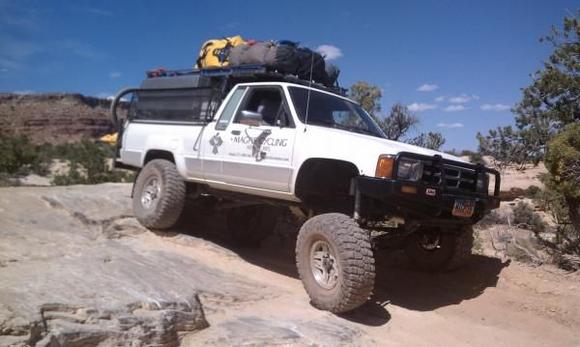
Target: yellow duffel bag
{"points": [[215, 53]]}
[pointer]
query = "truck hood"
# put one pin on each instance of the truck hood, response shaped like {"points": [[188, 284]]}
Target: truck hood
{"points": [[363, 150], [405, 147]]}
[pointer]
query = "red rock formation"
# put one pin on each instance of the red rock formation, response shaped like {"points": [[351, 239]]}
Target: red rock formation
{"points": [[54, 118]]}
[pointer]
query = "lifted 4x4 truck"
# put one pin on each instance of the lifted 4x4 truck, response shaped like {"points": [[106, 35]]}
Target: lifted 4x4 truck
{"points": [[257, 141]]}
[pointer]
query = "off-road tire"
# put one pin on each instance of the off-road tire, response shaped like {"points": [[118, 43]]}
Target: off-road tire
{"points": [[248, 226], [455, 250], [166, 211], [356, 265]]}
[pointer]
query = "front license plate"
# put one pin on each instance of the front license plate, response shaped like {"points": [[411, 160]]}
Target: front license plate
{"points": [[463, 208]]}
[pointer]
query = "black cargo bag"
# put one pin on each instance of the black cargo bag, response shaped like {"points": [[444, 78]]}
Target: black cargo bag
{"points": [[309, 60], [286, 60]]}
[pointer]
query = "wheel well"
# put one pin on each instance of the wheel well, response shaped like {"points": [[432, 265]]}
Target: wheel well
{"points": [[158, 154], [325, 180]]}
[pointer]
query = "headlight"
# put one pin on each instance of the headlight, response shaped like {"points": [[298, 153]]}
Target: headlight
{"points": [[483, 183], [410, 169]]}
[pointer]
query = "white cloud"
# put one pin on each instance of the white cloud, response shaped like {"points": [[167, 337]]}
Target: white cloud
{"points": [[105, 95], [440, 98], [23, 92], [462, 99], [419, 106], [450, 125], [115, 75], [455, 108], [427, 87], [329, 52], [495, 107]]}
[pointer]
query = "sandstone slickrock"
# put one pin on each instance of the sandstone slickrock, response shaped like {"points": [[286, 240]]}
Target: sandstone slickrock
{"points": [[77, 270], [64, 281]]}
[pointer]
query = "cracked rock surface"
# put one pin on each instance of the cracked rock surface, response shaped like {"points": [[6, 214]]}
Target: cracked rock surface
{"points": [[65, 279]]}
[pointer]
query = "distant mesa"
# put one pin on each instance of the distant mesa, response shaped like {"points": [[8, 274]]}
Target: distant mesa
{"points": [[54, 117]]}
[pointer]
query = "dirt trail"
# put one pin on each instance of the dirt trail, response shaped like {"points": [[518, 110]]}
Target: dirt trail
{"points": [[253, 296], [486, 303]]}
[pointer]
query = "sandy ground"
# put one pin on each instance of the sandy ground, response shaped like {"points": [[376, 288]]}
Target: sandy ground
{"points": [[489, 302]]}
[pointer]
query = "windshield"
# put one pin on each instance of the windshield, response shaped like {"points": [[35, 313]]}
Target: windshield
{"points": [[333, 112]]}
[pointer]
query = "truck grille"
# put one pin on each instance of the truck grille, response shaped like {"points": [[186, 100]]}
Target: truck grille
{"points": [[451, 177]]}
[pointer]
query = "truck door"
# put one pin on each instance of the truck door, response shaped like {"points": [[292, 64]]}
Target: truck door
{"points": [[214, 135], [259, 141]]}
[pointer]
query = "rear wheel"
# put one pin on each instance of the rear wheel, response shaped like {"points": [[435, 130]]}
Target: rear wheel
{"points": [[335, 262], [250, 225], [431, 249], [159, 195]]}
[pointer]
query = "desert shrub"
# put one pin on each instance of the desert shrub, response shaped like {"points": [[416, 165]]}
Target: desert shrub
{"points": [[563, 163], [533, 192], [88, 164], [523, 213], [474, 156], [18, 156], [493, 218], [88, 161]]}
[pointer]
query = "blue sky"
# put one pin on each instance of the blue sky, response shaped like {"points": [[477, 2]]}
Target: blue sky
{"points": [[459, 65]]}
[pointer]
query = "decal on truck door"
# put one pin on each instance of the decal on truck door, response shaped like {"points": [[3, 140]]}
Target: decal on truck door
{"points": [[216, 141], [257, 144], [260, 146]]}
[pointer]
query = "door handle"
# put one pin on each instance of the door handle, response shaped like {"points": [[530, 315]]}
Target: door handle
{"points": [[236, 132]]}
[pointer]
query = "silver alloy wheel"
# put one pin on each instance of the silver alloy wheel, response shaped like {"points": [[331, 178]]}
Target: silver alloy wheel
{"points": [[429, 241], [323, 264], [151, 192]]}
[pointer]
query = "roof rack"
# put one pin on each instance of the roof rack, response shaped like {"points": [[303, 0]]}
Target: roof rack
{"points": [[243, 73]]}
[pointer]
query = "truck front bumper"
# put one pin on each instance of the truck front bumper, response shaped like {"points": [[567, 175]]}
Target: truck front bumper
{"points": [[423, 202], [412, 201]]}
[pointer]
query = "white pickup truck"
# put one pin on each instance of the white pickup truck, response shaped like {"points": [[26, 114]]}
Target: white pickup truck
{"points": [[261, 141]]}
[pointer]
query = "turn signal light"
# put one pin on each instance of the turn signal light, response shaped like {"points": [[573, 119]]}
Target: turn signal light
{"points": [[385, 167]]}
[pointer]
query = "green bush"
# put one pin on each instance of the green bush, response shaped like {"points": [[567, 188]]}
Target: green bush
{"points": [[533, 192], [18, 156], [563, 163], [524, 214], [88, 164], [88, 161], [492, 218]]}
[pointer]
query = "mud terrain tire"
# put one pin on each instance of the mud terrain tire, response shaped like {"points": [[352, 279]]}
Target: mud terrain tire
{"points": [[159, 195], [249, 225], [453, 250], [348, 246]]}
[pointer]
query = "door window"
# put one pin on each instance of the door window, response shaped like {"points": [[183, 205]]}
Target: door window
{"points": [[264, 106], [230, 108]]}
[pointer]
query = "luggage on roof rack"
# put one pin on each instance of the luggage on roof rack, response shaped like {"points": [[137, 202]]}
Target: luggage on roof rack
{"points": [[212, 77], [285, 57]]}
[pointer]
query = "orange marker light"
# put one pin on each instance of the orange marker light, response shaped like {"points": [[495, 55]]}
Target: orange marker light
{"points": [[385, 167], [409, 189]]}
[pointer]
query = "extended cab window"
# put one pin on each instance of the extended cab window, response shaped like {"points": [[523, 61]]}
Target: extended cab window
{"points": [[332, 111], [171, 105], [264, 106]]}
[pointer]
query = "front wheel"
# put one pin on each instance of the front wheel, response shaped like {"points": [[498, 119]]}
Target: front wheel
{"points": [[335, 262], [431, 249]]}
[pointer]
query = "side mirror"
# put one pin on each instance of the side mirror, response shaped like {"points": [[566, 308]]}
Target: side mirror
{"points": [[252, 116]]}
